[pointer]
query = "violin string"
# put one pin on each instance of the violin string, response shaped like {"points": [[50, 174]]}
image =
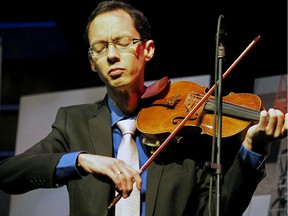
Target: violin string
{"points": [[250, 112]]}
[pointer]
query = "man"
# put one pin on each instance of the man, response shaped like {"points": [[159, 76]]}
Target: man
{"points": [[81, 149]]}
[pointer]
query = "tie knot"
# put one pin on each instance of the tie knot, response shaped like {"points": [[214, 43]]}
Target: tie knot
{"points": [[127, 126]]}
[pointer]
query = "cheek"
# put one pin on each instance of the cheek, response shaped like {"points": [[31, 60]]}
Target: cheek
{"points": [[137, 52], [137, 58], [100, 64], [100, 68], [134, 65]]}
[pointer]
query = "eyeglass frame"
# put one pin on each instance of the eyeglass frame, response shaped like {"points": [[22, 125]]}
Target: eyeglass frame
{"points": [[93, 53]]}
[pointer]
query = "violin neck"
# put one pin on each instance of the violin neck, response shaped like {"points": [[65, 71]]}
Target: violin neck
{"points": [[232, 110]]}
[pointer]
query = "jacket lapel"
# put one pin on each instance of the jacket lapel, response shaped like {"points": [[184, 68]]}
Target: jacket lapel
{"points": [[101, 134]]}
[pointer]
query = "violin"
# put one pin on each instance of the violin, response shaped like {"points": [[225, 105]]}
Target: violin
{"points": [[174, 102]]}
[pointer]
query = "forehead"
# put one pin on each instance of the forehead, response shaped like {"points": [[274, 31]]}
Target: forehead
{"points": [[111, 24]]}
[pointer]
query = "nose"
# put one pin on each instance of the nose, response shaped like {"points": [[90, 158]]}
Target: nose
{"points": [[112, 50]]}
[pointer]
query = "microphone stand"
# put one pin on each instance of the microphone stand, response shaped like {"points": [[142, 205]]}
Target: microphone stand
{"points": [[219, 56]]}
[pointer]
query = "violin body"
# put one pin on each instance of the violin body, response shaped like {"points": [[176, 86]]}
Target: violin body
{"points": [[162, 116]]}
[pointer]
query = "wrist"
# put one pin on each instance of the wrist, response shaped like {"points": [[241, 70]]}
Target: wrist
{"points": [[259, 148], [79, 167]]}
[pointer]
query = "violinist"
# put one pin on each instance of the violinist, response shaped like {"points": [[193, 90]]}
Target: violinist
{"points": [[81, 150]]}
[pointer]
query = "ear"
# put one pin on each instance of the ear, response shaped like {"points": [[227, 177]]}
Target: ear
{"points": [[149, 50], [92, 64]]}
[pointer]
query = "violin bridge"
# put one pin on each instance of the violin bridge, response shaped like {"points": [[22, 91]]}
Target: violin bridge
{"points": [[191, 99]]}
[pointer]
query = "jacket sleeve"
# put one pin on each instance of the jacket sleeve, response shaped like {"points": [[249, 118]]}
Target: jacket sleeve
{"points": [[35, 167]]}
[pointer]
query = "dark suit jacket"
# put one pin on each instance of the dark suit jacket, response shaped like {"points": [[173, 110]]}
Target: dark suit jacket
{"points": [[177, 184]]}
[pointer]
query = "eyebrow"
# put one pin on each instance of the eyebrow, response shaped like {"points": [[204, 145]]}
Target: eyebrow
{"points": [[113, 39]]}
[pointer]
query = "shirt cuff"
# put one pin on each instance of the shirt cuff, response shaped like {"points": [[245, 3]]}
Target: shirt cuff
{"points": [[66, 168], [255, 160]]}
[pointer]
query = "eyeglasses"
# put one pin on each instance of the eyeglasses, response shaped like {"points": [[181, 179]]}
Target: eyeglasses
{"points": [[99, 49]]}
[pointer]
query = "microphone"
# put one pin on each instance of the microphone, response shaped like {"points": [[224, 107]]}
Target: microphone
{"points": [[222, 33], [220, 37]]}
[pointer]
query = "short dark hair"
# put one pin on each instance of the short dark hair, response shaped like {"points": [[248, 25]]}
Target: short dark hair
{"points": [[140, 21]]}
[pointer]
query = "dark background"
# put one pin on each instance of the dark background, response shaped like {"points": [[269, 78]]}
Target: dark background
{"points": [[44, 50], [52, 56]]}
